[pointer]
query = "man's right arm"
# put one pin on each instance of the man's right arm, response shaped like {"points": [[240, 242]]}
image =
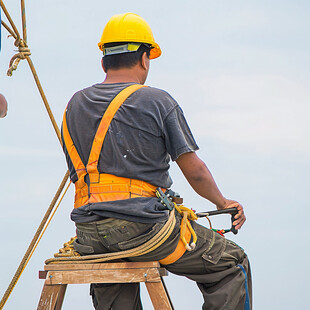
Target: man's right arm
{"points": [[200, 178]]}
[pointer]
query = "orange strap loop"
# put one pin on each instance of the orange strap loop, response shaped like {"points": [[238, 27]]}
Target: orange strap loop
{"points": [[180, 249]]}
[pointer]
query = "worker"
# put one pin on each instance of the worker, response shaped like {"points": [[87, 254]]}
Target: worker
{"points": [[117, 164], [3, 106]]}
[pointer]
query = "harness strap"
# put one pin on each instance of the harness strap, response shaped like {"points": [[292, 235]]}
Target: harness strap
{"points": [[179, 250], [101, 131], [92, 165], [83, 193]]}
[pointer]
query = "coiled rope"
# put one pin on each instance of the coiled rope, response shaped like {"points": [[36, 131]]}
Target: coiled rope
{"points": [[143, 249], [68, 255], [24, 53]]}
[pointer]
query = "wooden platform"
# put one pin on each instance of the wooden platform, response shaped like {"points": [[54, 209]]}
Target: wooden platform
{"points": [[57, 277]]}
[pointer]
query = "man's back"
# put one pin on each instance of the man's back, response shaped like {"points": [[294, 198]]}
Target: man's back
{"points": [[145, 132]]}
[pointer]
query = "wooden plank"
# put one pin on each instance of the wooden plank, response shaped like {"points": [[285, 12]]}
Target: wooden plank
{"points": [[81, 266], [103, 276], [158, 295], [51, 294]]}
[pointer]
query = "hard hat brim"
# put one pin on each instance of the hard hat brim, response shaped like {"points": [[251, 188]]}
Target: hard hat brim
{"points": [[155, 51]]}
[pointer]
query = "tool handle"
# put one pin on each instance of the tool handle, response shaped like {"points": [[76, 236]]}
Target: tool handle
{"points": [[232, 211], [233, 228]]}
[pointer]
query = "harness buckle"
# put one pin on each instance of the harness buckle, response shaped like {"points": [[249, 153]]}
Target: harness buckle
{"points": [[163, 198]]}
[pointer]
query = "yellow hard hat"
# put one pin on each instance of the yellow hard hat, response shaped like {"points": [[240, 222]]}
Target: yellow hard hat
{"points": [[129, 27]]}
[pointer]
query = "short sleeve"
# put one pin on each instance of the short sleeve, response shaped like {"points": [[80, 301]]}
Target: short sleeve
{"points": [[177, 134]]}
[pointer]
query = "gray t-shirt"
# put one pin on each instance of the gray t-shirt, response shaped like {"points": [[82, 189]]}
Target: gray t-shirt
{"points": [[147, 131]]}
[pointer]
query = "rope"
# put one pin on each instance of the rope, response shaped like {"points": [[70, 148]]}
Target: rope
{"points": [[145, 248], [69, 256], [37, 237], [24, 53], [17, 36], [22, 3], [187, 215], [8, 29], [48, 109]]}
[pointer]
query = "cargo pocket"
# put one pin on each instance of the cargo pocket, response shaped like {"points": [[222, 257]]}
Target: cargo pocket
{"points": [[233, 254], [83, 249], [215, 251], [134, 242]]}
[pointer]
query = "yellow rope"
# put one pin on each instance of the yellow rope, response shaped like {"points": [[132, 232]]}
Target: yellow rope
{"points": [[48, 222], [34, 242], [187, 215], [32, 250], [17, 36], [24, 53], [8, 29], [22, 3], [145, 248], [68, 256]]}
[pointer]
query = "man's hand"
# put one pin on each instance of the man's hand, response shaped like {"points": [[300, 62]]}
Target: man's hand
{"points": [[240, 216]]}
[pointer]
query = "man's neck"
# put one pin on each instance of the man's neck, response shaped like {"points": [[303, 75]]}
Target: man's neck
{"points": [[123, 76]]}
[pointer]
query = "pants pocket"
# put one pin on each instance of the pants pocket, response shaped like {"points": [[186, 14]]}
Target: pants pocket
{"points": [[136, 241], [215, 251], [122, 232], [83, 249], [224, 255]]}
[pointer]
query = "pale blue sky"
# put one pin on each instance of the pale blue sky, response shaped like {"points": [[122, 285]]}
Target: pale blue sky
{"points": [[239, 70]]}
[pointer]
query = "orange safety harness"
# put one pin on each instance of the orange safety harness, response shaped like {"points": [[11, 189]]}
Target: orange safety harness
{"points": [[103, 186], [108, 187]]}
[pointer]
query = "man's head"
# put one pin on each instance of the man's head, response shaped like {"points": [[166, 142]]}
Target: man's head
{"points": [[127, 39], [125, 59], [3, 106]]}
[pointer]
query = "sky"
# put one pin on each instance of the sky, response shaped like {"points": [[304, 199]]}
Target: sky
{"points": [[239, 70]]}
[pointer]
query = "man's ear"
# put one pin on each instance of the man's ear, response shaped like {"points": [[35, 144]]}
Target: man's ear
{"points": [[145, 61], [104, 69]]}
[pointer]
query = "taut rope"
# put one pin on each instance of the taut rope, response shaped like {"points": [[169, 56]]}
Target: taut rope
{"points": [[24, 53]]}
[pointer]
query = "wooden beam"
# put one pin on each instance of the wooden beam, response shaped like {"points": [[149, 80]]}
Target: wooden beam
{"points": [[103, 276], [79, 266]]}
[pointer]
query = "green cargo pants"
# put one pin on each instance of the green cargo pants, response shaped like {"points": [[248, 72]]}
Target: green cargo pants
{"points": [[219, 267]]}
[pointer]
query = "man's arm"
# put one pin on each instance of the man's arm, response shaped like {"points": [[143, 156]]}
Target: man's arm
{"points": [[200, 178]]}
